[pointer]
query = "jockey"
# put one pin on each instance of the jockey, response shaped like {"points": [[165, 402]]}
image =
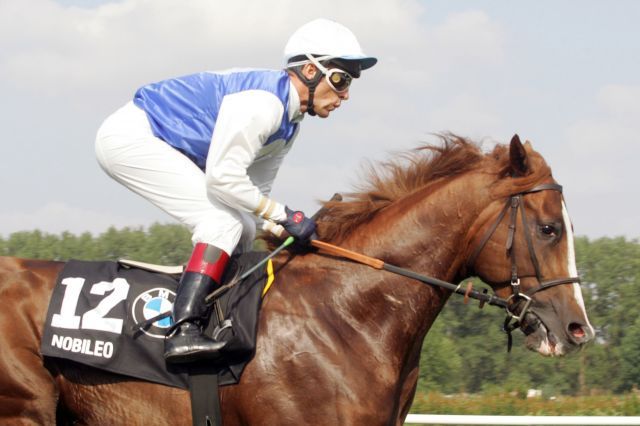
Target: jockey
{"points": [[205, 148]]}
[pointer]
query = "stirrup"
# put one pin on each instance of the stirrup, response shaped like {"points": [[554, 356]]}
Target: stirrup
{"points": [[192, 345]]}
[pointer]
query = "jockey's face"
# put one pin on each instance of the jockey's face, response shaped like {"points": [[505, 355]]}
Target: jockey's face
{"points": [[325, 98]]}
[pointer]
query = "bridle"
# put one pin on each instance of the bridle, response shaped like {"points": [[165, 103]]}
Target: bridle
{"points": [[514, 203], [514, 319]]}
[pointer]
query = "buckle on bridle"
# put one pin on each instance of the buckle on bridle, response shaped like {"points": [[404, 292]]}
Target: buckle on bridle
{"points": [[515, 286], [512, 315], [513, 321]]}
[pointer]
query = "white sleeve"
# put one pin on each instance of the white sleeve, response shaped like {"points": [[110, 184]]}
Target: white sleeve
{"points": [[245, 122], [263, 173]]}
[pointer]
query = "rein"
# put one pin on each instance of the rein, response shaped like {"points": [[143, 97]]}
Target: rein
{"points": [[468, 292], [513, 319]]}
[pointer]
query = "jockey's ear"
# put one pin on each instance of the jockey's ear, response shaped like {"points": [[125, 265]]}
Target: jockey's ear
{"points": [[309, 71], [519, 163]]}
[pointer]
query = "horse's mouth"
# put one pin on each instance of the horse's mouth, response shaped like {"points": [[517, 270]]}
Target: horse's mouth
{"points": [[541, 339]]}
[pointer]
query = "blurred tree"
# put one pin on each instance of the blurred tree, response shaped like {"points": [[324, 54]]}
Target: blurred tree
{"points": [[168, 244], [441, 366], [165, 244], [630, 357]]}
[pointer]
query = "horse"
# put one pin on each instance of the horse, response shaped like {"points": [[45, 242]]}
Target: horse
{"points": [[339, 342]]}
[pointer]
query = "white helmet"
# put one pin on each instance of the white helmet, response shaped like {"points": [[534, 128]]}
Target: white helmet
{"points": [[326, 40]]}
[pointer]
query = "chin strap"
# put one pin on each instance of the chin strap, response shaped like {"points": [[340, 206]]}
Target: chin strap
{"points": [[311, 84]]}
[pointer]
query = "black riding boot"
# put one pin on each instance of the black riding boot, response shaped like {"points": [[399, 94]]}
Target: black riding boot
{"points": [[186, 342]]}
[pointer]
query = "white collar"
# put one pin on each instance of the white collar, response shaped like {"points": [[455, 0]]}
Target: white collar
{"points": [[295, 115]]}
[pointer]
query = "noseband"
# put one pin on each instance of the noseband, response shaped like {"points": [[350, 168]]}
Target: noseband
{"points": [[514, 320]]}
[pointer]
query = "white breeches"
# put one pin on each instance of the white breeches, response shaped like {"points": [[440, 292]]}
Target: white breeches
{"points": [[129, 152]]}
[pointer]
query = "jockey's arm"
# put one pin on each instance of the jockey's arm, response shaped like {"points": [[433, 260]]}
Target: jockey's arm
{"points": [[263, 172], [245, 122]]}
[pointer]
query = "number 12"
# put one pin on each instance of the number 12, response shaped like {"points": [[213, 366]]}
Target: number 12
{"points": [[94, 319]]}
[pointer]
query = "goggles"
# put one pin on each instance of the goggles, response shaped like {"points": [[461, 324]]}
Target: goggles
{"points": [[339, 80]]}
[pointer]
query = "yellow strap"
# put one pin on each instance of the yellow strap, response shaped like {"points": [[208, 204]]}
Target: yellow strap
{"points": [[270, 277]]}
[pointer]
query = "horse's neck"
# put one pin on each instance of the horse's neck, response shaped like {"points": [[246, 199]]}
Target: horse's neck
{"points": [[423, 233], [427, 231]]}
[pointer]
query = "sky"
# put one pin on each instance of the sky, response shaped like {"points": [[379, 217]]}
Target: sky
{"points": [[563, 74]]}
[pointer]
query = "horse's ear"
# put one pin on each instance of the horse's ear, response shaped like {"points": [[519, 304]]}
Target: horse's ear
{"points": [[518, 161]]}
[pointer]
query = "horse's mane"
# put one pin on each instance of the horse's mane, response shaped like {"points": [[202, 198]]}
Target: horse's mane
{"points": [[414, 170]]}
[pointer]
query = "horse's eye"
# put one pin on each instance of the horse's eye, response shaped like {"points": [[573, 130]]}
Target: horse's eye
{"points": [[548, 230]]}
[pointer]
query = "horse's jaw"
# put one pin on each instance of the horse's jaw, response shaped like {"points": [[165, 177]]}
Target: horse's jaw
{"points": [[544, 342]]}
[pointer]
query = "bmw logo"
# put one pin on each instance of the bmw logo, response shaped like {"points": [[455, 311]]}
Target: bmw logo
{"points": [[152, 303]]}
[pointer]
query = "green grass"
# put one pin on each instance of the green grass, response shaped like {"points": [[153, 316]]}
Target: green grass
{"points": [[510, 404]]}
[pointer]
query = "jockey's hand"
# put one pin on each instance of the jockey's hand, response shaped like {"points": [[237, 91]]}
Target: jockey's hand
{"points": [[301, 227]]}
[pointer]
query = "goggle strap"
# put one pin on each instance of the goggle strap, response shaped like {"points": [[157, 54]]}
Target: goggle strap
{"points": [[323, 71], [310, 58]]}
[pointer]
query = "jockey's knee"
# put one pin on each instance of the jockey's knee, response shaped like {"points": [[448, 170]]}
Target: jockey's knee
{"points": [[222, 233]]}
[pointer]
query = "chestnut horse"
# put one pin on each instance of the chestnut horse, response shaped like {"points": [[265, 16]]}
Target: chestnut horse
{"points": [[339, 342]]}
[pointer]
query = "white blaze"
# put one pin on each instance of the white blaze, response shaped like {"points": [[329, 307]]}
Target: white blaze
{"points": [[571, 263]]}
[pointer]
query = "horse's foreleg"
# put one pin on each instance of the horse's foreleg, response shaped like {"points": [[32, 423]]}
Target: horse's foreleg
{"points": [[407, 392], [28, 394]]}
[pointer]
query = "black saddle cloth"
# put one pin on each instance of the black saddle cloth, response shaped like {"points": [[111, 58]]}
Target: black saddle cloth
{"points": [[95, 307]]}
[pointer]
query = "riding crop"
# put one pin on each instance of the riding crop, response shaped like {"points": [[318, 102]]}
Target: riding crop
{"points": [[468, 291], [249, 271], [216, 293], [287, 242]]}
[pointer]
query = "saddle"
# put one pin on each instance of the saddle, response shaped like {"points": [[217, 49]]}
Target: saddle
{"points": [[100, 312]]}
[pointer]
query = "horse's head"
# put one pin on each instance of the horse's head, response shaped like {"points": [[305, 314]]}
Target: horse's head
{"points": [[499, 216], [523, 247]]}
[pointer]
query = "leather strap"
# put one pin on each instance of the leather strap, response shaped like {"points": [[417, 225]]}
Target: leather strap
{"points": [[342, 252]]}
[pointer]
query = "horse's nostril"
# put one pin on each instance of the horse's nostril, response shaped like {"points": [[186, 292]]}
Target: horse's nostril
{"points": [[577, 332]]}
